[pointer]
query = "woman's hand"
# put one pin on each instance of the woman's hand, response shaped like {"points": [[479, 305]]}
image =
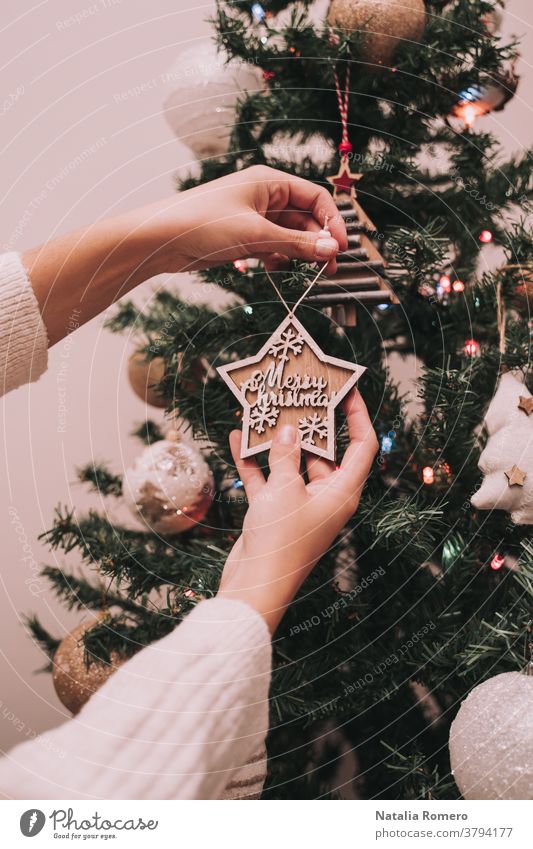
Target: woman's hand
{"points": [[289, 525], [259, 212]]}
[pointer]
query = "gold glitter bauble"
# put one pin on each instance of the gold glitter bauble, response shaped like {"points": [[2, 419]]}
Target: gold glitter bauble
{"points": [[144, 373], [382, 24], [523, 293], [74, 681], [170, 486]]}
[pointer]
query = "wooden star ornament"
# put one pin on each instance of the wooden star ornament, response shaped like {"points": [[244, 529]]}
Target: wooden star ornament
{"points": [[525, 403], [515, 476], [344, 181], [290, 381]]}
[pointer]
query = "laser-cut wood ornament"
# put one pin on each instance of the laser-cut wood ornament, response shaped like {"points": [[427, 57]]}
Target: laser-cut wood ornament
{"points": [[290, 381], [361, 270]]}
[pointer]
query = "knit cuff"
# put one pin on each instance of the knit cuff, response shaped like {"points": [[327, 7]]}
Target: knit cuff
{"points": [[244, 628], [23, 337], [179, 720]]}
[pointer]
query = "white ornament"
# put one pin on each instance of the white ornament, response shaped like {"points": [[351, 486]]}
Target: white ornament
{"points": [[491, 739], [205, 89], [510, 444], [170, 486]]}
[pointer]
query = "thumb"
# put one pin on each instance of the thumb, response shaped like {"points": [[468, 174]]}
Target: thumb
{"points": [[300, 244], [284, 458]]}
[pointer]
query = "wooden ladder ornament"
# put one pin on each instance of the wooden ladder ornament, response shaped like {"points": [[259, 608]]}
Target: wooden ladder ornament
{"points": [[360, 276]]}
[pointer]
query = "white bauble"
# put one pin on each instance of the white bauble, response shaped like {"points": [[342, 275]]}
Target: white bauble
{"points": [[170, 486], [491, 739], [200, 108]]}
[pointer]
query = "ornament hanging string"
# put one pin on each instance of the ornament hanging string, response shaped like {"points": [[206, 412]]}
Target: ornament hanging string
{"points": [[500, 306], [304, 295], [343, 98]]}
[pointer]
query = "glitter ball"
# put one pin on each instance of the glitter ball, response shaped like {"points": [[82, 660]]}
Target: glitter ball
{"points": [[491, 739], [170, 486], [74, 680]]}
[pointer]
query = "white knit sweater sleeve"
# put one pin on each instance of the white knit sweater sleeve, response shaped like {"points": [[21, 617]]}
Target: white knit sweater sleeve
{"points": [[186, 718], [177, 721], [23, 337]]}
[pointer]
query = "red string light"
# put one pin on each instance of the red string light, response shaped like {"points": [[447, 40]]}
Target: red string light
{"points": [[428, 475], [485, 237], [497, 562], [471, 348]]}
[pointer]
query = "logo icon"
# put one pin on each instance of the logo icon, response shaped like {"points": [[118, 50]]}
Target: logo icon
{"points": [[32, 822]]}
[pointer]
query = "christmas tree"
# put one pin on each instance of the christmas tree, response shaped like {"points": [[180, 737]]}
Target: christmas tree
{"points": [[423, 597]]}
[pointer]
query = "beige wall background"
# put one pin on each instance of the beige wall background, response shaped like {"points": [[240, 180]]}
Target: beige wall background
{"points": [[67, 97]]}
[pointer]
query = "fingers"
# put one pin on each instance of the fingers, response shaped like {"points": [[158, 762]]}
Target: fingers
{"points": [[318, 468], [249, 472], [308, 196], [284, 458], [275, 262], [306, 245], [363, 446], [294, 219]]}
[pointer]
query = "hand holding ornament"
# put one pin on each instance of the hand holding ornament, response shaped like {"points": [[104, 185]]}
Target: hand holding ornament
{"points": [[290, 524], [258, 212]]}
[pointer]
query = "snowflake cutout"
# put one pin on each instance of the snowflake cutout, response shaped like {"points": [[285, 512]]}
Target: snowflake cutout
{"points": [[287, 342], [313, 427], [263, 415]]}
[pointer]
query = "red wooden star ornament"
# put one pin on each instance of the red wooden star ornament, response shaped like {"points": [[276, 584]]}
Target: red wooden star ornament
{"points": [[344, 180]]}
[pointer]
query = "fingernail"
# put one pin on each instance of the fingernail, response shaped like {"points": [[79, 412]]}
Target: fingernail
{"points": [[286, 435], [326, 248]]}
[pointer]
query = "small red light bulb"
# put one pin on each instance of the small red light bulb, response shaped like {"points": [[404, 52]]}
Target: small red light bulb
{"points": [[497, 562], [428, 475], [471, 348], [445, 283]]}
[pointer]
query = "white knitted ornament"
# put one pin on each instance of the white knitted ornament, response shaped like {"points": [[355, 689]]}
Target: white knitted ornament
{"points": [[491, 739], [200, 108], [510, 444]]}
